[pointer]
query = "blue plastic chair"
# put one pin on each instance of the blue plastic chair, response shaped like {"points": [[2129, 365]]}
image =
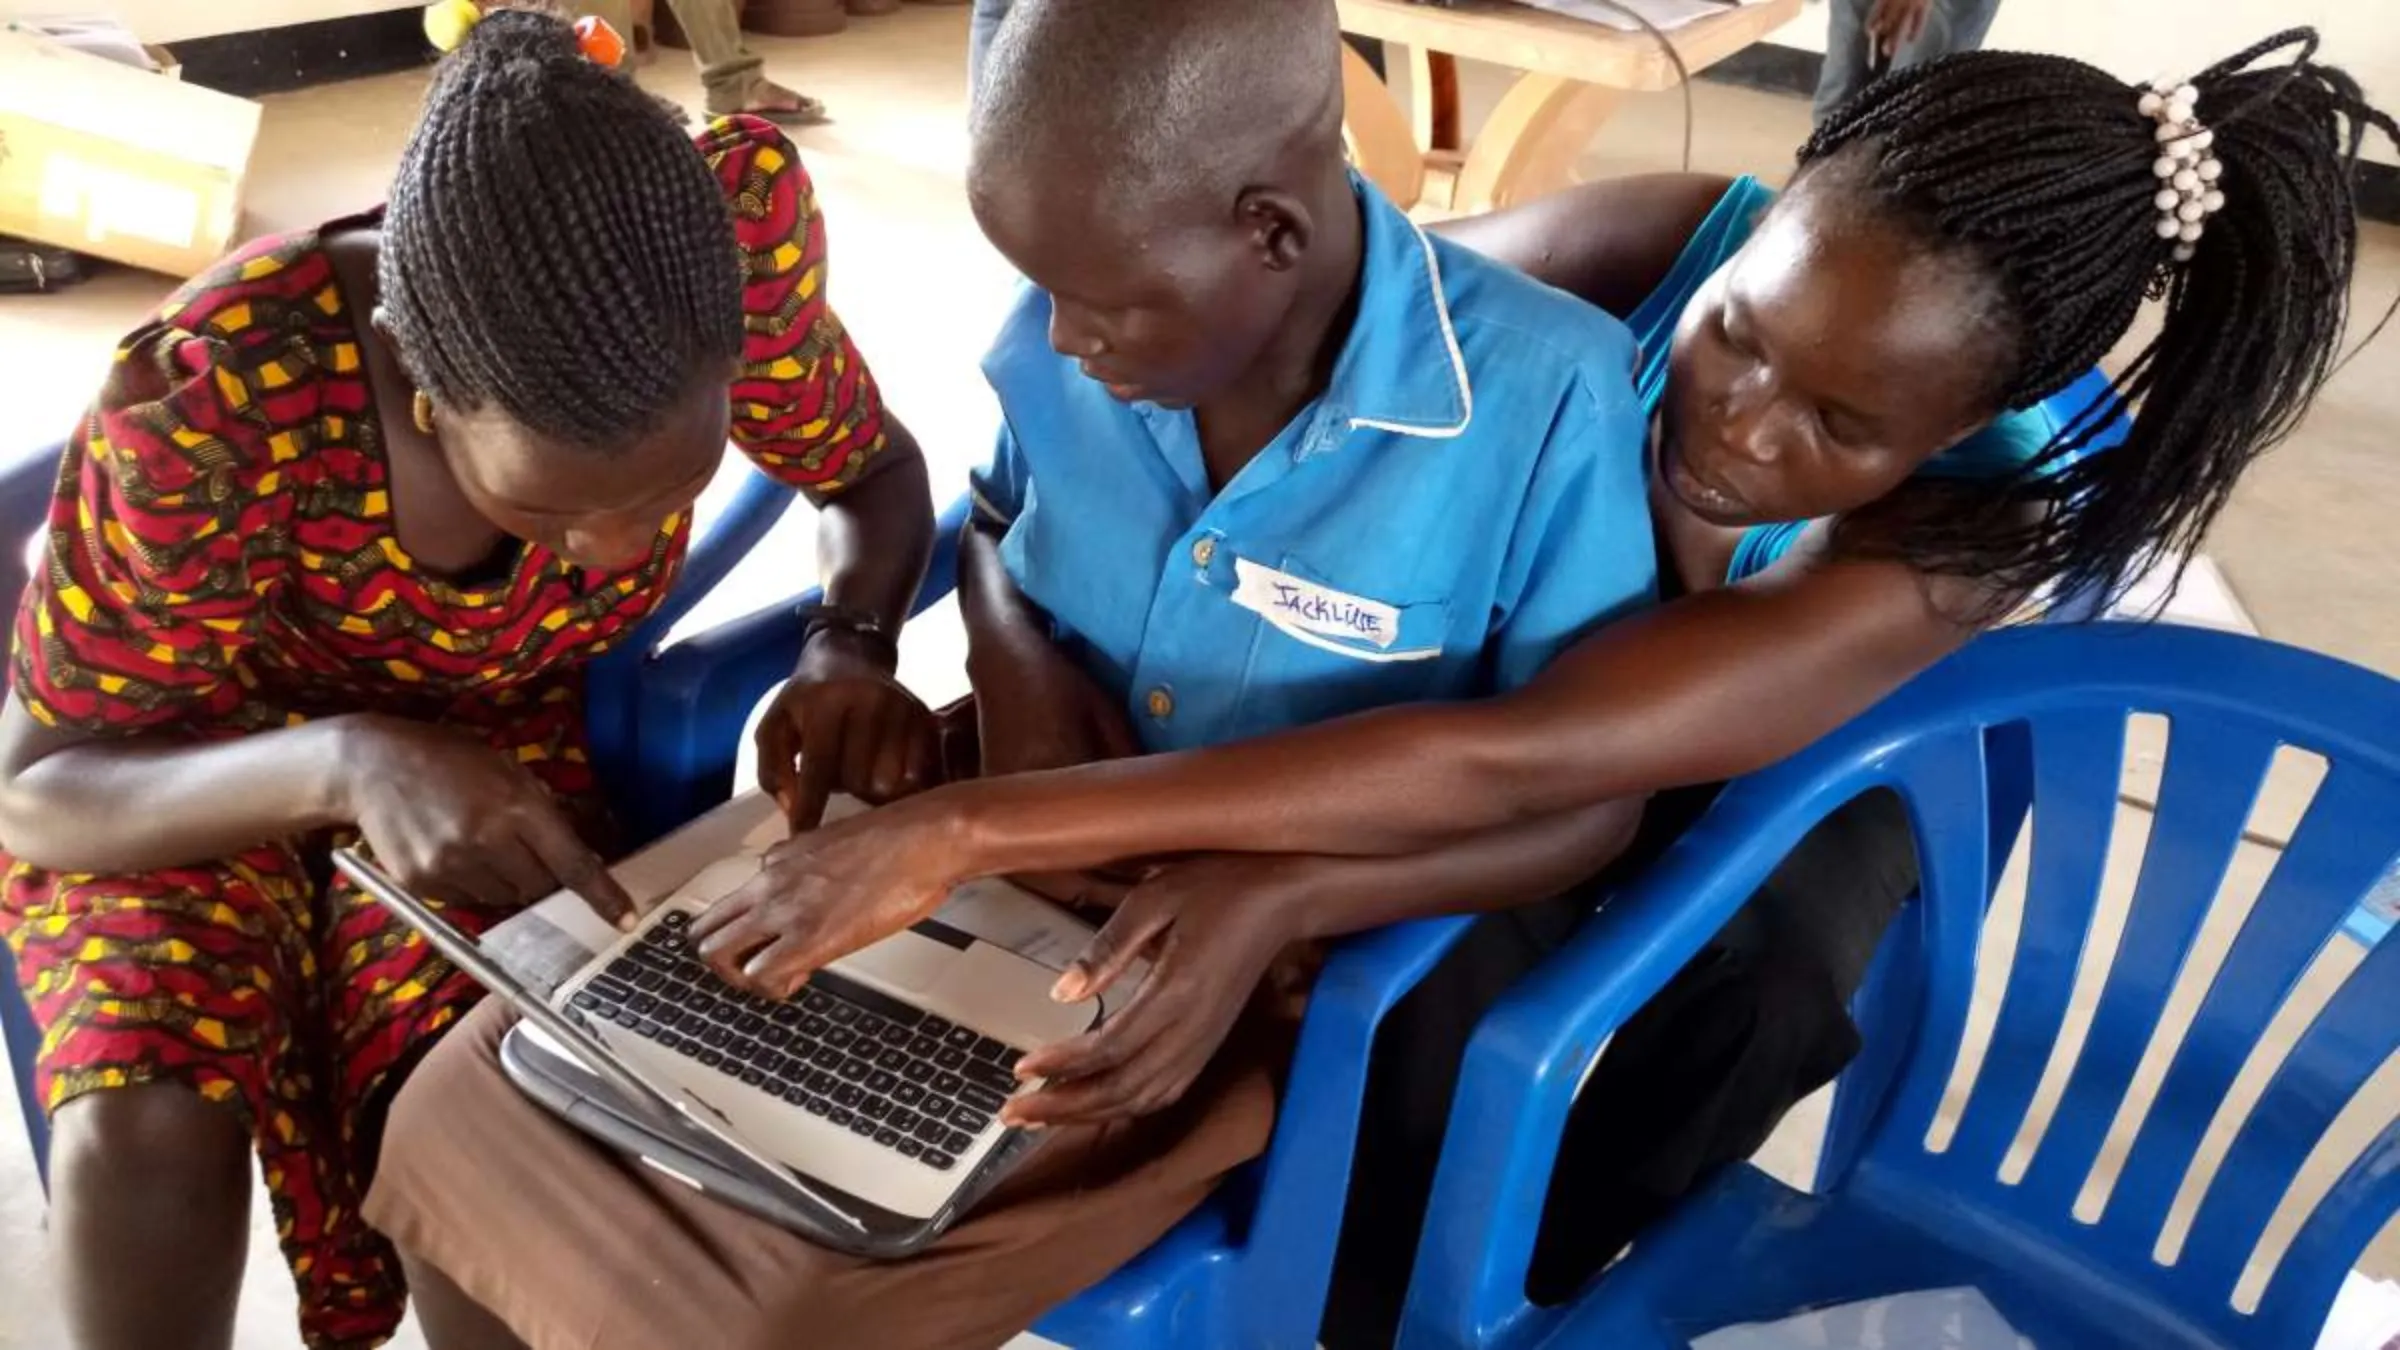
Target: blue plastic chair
{"points": [[1249, 1270], [1889, 1215]]}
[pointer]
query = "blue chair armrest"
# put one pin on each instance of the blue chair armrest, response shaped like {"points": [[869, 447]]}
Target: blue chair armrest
{"points": [[1531, 1052], [1289, 1250], [26, 484]]}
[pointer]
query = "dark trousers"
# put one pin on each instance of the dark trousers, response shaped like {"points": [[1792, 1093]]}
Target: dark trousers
{"points": [[1851, 64], [1697, 1079]]}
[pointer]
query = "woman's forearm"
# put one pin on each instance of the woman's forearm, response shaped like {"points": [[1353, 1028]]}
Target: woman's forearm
{"points": [[1495, 869], [1709, 687], [143, 803], [874, 538]]}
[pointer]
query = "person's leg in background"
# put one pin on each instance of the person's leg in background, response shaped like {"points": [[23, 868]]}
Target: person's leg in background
{"points": [[1851, 60], [1847, 60], [734, 76], [1950, 26]]}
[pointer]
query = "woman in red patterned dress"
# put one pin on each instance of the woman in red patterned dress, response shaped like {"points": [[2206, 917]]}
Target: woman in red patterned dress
{"points": [[325, 559]]}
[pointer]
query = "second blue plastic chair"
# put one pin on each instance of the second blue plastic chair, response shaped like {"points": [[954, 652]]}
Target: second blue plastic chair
{"points": [[1894, 1213]]}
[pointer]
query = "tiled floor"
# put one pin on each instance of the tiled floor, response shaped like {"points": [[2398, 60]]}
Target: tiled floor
{"points": [[2308, 545]]}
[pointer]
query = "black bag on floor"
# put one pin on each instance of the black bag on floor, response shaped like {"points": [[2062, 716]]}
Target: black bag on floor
{"points": [[28, 266]]}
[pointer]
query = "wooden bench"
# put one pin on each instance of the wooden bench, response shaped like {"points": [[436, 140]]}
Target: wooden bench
{"points": [[1572, 74]]}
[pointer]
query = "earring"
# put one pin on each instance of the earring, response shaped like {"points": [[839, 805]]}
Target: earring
{"points": [[421, 408]]}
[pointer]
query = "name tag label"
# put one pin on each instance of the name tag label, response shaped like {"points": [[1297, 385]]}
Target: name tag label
{"points": [[1295, 603]]}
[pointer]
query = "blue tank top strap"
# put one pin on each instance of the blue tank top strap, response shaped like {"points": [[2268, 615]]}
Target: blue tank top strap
{"points": [[1721, 235], [1761, 547]]}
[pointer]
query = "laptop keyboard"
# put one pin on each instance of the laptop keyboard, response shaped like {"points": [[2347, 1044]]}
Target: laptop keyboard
{"points": [[896, 1075]]}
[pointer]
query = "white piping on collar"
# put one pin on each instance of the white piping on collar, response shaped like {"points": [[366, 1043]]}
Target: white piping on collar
{"points": [[1458, 361], [986, 509]]}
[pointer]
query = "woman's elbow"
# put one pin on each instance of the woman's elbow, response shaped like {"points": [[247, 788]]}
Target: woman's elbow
{"points": [[24, 815], [1609, 829], [39, 823]]}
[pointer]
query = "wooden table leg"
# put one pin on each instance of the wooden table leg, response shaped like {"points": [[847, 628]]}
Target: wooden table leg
{"points": [[1377, 135], [1530, 145], [1433, 83]]}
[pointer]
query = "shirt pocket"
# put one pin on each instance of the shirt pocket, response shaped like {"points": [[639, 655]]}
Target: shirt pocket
{"points": [[1326, 644]]}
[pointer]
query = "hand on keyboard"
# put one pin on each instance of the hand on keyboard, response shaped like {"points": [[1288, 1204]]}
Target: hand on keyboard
{"points": [[843, 724], [822, 895]]}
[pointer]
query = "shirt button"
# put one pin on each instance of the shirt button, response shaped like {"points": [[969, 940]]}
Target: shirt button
{"points": [[1161, 704], [1205, 551]]}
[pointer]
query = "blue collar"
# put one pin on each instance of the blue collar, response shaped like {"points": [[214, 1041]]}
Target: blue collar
{"points": [[1400, 369]]}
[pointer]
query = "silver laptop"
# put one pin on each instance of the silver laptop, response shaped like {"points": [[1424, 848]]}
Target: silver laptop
{"points": [[862, 1112]]}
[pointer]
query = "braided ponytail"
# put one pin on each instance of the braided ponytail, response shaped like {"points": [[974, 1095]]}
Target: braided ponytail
{"points": [[554, 247], [2039, 170]]}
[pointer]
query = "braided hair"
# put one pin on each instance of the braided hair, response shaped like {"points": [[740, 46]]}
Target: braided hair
{"points": [[2038, 171], [554, 247]]}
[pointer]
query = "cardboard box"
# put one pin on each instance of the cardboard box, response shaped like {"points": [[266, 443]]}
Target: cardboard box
{"points": [[119, 162]]}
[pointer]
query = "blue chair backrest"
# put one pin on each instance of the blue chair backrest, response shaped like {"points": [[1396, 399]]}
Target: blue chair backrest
{"points": [[2087, 405], [2064, 696], [25, 488]]}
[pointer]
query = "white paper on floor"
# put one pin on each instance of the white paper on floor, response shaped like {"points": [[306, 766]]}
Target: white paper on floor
{"points": [[2366, 1316], [1934, 1319], [2194, 593]]}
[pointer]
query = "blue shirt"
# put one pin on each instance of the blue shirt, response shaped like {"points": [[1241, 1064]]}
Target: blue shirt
{"points": [[1464, 499], [1998, 450]]}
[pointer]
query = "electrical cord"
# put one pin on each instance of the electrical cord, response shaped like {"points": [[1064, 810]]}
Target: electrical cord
{"points": [[1683, 77]]}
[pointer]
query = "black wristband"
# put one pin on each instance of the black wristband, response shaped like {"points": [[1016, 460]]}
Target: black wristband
{"points": [[821, 618]]}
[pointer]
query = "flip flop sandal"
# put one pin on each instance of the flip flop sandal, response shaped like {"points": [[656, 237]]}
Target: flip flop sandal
{"points": [[810, 113]]}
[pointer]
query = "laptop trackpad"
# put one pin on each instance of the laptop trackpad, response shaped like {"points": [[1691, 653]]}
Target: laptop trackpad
{"points": [[987, 987]]}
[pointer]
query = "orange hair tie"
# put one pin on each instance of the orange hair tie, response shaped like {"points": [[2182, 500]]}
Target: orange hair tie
{"points": [[599, 41], [448, 21]]}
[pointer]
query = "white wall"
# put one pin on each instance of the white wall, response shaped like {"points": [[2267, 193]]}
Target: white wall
{"points": [[2142, 39], [179, 20]]}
